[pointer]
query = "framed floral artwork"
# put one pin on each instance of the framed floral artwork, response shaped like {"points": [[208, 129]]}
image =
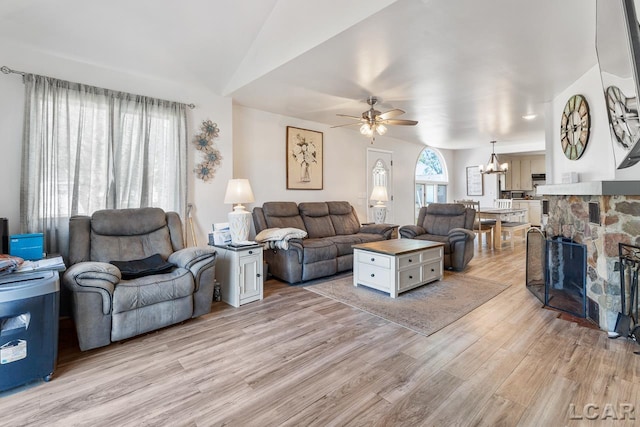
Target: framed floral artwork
{"points": [[304, 159]]}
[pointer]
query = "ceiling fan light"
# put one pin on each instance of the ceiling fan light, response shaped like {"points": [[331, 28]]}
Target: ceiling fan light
{"points": [[381, 129], [365, 129]]}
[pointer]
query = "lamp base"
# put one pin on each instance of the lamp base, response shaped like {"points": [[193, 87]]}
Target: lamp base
{"points": [[239, 224], [379, 213]]}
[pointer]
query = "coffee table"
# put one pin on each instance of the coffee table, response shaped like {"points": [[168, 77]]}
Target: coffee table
{"points": [[397, 265]]}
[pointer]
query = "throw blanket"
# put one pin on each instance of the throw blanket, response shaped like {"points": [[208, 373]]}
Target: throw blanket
{"points": [[278, 238]]}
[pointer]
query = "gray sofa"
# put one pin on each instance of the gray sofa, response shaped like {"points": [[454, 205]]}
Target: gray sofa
{"points": [[448, 223], [108, 308], [332, 228]]}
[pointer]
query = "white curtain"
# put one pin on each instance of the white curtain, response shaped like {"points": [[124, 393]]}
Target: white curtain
{"points": [[87, 148]]}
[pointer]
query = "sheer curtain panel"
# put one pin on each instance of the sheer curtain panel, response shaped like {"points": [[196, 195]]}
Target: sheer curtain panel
{"points": [[87, 148]]}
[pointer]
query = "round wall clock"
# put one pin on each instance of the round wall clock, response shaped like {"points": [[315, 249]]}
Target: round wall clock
{"points": [[574, 127], [624, 121]]}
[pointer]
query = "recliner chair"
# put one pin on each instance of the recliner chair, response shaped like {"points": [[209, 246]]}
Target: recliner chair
{"points": [[108, 308], [448, 223]]}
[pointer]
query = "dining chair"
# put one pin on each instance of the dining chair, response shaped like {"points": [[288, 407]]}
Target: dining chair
{"points": [[479, 227], [510, 227]]}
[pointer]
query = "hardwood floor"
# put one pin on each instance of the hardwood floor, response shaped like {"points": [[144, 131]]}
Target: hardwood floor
{"points": [[297, 358]]}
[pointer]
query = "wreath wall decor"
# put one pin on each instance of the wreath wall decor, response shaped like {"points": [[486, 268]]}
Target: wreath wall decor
{"points": [[203, 141]]}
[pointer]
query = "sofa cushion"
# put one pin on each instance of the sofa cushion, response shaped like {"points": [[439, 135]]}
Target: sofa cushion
{"points": [[369, 237], [316, 219], [436, 238], [316, 250], [343, 218], [344, 243], [282, 214], [144, 291], [143, 267]]}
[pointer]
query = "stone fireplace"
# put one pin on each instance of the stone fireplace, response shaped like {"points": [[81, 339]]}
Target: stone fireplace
{"points": [[615, 218]]}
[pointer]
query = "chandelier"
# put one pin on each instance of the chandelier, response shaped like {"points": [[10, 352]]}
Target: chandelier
{"points": [[494, 166]]}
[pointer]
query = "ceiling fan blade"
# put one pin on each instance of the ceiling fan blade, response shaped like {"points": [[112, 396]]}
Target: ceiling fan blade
{"points": [[400, 122], [391, 113], [347, 124], [349, 117]]}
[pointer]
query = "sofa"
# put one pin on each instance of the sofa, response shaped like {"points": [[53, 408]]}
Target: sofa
{"points": [[158, 283], [448, 223], [332, 228]]}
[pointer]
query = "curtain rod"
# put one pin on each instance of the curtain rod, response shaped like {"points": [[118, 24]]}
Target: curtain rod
{"points": [[7, 70]]}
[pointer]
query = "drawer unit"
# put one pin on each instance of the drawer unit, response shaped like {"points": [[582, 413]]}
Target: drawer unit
{"points": [[374, 259], [376, 277], [397, 271], [432, 271]]}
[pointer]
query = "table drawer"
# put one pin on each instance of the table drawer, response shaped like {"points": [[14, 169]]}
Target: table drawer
{"points": [[374, 275], [432, 271], [409, 260], [409, 277], [374, 259], [432, 254]]}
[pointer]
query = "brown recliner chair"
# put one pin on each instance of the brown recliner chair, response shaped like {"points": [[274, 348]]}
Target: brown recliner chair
{"points": [[448, 223], [107, 307]]}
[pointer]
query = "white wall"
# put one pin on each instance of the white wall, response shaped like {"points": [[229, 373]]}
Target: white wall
{"points": [[597, 163], [260, 156], [206, 197]]}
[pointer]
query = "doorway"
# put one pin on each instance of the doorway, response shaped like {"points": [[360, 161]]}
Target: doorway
{"points": [[380, 173]]}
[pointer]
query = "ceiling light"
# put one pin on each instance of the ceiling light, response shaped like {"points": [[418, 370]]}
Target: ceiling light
{"points": [[494, 166], [529, 116], [365, 129]]}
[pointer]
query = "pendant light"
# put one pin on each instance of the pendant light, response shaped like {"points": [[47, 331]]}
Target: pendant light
{"points": [[494, 165]]}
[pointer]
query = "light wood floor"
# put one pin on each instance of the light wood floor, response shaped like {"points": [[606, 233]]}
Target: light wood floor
{"points": [[297, 358]]}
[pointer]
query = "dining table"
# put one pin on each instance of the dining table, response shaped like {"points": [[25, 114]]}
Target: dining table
{"points": [[499, 215]]}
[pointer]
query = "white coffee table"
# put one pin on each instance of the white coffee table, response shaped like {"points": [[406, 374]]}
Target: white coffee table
{"points": [[397, 265]]}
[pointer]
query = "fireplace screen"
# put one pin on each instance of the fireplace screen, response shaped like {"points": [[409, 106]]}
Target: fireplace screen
{"points": [[556, 272]]}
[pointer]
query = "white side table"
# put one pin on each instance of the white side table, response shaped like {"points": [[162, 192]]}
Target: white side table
{"points": [[239, 271]]}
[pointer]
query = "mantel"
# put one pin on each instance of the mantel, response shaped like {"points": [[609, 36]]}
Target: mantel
{"points": [[591, 188]]}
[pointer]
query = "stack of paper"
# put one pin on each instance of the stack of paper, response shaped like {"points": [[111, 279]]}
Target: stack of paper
{"points": [[54, 263]]}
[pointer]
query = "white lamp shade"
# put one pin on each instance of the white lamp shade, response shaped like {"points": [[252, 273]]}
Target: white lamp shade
{"points": [[239, 191], [379, 194]]}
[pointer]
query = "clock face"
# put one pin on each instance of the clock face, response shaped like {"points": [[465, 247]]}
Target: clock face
{"points": [[574, 127], [623, 119]]}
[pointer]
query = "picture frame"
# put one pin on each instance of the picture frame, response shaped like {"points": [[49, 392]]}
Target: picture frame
{"points": [[475, 181], [304, 152]]}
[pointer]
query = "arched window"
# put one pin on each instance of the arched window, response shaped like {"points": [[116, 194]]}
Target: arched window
{"points": [[431, 179]]}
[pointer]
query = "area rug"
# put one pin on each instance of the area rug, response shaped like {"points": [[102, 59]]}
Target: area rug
{"points": [[425, 310]]}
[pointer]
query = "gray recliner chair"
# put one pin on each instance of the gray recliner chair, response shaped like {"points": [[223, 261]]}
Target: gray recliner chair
{"points": [[108, 308], [448, 223]]}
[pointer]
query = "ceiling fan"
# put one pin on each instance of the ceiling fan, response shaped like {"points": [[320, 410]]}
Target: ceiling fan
{"points": [[373, 121]]}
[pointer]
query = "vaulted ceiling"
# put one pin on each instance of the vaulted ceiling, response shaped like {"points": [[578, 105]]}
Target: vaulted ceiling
{"points": [[467, 70]]}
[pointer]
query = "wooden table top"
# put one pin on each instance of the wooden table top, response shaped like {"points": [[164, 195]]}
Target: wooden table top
{"points": [[397, 246]]}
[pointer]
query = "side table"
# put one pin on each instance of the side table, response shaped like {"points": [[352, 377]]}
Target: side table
{"points": [[239, 271]]}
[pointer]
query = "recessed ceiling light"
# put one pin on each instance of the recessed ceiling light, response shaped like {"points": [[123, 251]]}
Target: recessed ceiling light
{"points": [[529, 116]]}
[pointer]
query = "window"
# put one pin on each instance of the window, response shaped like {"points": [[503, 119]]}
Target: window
{"points": [[88, 148], [431, 179]]}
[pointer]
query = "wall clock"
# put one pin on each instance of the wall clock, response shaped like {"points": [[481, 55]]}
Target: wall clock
{"points": [[623, 119], [574, 127]]}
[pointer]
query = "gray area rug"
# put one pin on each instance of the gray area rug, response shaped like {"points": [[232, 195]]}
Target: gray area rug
{"points": [[425, 310]]}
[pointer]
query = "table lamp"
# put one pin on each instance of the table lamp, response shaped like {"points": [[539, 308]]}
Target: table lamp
{"points": [[379, 193], [239, 191]]}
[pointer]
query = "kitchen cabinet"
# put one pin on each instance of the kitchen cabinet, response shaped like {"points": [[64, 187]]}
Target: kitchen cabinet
{"points": [[514, 169], [525, 175], [537, 165], [533, 210]]}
